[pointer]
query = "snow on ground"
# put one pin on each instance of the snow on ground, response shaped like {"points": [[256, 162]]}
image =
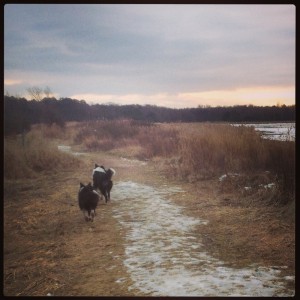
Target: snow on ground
{"points": [[224, 177], [134, 161], [164, 258], [68, 149]]}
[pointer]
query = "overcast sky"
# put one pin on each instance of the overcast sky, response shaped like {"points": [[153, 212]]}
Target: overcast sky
{"points": [[167, 55]]}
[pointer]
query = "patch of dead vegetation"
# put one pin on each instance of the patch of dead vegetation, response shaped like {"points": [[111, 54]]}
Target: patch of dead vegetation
{"points": [[50, 249]]}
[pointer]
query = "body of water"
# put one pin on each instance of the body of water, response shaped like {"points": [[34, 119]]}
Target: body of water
{"points": [[274, 131]]}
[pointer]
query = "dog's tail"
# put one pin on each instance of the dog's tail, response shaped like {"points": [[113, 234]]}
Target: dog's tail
{"points": [[113, 171]]}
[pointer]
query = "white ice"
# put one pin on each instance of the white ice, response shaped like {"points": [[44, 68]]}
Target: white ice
{"points": [[274, 131]]}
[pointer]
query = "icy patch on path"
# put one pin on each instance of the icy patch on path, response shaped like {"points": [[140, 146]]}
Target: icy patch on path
{"points": [[68, 149], [165, 259]]}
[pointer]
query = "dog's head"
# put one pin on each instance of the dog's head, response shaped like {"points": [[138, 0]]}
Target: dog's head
{"points": [[97, 166], [85, 188]]}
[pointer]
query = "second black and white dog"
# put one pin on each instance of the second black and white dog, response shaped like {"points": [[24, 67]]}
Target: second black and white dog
{"points": [[102, 180], [88, 200]]}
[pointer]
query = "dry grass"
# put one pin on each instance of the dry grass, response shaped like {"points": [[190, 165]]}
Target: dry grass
{"points": [[210, 150], [217, 148], [46, 240], [192, 151], [37, 154], [195, 151], [108, 135], [52, 131], [105, 135]]}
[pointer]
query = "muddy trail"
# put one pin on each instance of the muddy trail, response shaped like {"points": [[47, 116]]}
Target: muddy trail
{"points": [[149, 240]]}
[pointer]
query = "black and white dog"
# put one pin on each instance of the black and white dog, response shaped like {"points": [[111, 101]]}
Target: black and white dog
{"points": [[88, 200], [102, 180]]}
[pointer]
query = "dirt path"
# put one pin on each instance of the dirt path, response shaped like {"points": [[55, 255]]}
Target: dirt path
{"points": [[165, 258], [147, 241]]}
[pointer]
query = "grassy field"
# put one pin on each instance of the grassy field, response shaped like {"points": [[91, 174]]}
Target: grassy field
{"points": [[197, 150], [46, 241]]}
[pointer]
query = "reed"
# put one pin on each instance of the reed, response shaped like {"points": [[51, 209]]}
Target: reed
{"points": [[209, 150], [215, 148]]}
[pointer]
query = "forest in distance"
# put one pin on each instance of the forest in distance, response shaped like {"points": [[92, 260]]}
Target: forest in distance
{"points": [[20, 113]]}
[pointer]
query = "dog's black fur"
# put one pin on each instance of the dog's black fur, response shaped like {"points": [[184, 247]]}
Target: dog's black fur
{"points": [[88, 200], [102, 181]]}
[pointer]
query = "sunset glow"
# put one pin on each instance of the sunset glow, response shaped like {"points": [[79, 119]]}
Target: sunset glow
{"points": [[166, 55], [264, 96]]}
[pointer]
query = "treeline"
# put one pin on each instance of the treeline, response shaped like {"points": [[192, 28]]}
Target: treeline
{"points": [[20, 114]]}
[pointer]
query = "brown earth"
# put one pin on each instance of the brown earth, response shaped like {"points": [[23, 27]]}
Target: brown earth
{"points": [[50, 249]]}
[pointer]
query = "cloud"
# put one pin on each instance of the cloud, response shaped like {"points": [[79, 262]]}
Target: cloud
{"points": [[9, 82], [149, 49]]}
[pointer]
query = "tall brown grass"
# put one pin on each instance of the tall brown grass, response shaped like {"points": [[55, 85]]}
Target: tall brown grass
{"points": [[281, 160], [27, 158], [197, 150], [104, 135], [216, 148], [107, 135], [52, 131], [207, 150]]}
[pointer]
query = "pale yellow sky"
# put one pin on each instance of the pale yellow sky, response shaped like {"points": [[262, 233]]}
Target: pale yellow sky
{"points": [[259, 96]]}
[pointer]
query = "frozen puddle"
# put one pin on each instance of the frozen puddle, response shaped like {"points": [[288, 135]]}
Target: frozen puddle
{"points": [[165, 259]]}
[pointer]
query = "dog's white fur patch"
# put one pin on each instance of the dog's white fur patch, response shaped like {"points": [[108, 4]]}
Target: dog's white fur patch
{"points": [[113, 170], [99, 169], [95, 192]]}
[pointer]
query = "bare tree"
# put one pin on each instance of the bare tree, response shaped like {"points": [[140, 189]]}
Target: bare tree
{"points": [[47, 92], [35, 92]]}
